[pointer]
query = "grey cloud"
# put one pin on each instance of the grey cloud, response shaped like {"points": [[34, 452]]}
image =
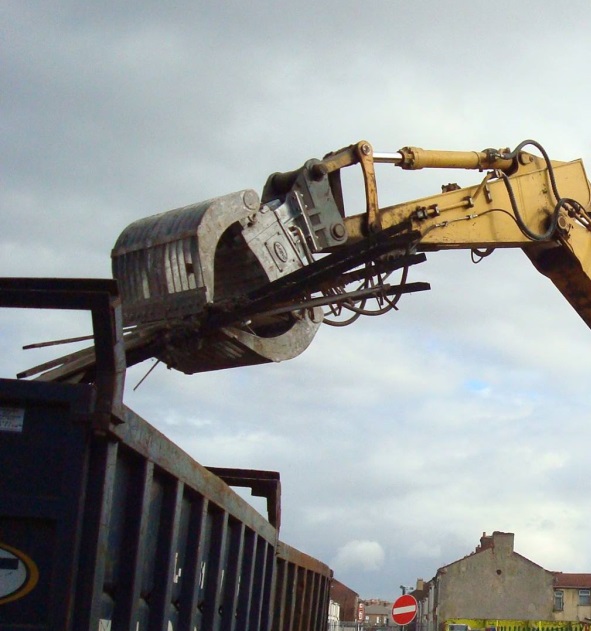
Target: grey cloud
{"points": [[116, 112]]}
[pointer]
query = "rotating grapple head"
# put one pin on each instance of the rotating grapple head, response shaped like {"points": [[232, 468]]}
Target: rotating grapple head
{"points": [[174, 268]]}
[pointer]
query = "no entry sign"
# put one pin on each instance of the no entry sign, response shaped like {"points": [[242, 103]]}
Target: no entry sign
{"points": [[360, 612], [404, 609]]}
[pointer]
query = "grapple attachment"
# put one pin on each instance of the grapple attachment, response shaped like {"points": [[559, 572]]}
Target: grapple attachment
{"points": [[174, 267]]}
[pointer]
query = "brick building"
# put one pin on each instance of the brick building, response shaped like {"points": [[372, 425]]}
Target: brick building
{"points": [[346, 598]]}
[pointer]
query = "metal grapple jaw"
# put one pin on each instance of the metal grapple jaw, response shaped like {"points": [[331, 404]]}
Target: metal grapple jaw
{"points": [[176, 267]]}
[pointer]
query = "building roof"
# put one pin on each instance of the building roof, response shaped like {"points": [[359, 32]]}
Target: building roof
{"points": [[420, 594], [338, 588], [564, 579], [379, 609], [489, 542]]}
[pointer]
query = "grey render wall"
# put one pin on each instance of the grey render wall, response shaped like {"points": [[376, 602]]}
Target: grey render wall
{"points": [[495, 583]]}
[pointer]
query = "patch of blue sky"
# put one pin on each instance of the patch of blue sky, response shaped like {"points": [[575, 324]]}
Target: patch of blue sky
{"points": [[477, 386]]}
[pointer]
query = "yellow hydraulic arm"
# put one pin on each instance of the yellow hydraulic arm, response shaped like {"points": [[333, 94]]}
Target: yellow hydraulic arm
{"points": [[241, 280], [522, 200]]}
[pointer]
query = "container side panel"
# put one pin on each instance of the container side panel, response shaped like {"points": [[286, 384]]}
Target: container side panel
{"points": [[305, 606], [291, 599], [127, 586], [300, 596], [44, 457], [35, 538], [245, 586], [150, 551], [190, 578], [163, 610], [268, 587], [315, 597], [258, 588], [232, 575], [91, 603], [213, 564], [279, 596]]}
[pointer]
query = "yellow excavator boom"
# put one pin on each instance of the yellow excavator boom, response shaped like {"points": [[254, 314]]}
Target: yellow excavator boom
{"points": [[524, 201], [242, 280]]}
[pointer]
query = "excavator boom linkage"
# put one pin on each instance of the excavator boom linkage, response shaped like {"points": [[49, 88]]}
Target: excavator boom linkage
{"points": [[241, 280]]}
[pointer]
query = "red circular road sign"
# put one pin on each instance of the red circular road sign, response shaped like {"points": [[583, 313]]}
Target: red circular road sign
{"points": [[360, 612], [404, 609]]}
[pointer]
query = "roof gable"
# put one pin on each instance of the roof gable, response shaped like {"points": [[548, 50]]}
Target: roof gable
{"points": [[488, 545], [564, 579]]}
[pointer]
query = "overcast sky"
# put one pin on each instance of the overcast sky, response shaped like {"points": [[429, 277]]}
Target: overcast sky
{"points": [[401, 439]]}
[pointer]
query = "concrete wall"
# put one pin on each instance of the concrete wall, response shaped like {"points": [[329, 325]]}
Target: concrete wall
{"points": [[495, 582]]}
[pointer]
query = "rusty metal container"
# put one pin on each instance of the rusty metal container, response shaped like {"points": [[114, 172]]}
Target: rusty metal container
{"points": [[105, 524]]}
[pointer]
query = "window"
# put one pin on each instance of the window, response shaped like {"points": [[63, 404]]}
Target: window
{"points": [[584, 596], [558, 600]]}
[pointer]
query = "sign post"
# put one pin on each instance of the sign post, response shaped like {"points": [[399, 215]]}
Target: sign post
{"points": [[404, 609], [360, 614]]}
